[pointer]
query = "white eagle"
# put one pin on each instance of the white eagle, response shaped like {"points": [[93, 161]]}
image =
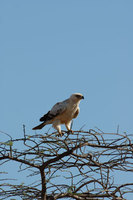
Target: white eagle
{"points": [[62, 113]]}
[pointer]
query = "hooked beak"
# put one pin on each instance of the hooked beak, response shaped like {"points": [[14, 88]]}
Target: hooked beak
{"points": [[82, 97]]}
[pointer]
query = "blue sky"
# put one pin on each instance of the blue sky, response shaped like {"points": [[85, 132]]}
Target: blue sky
{"points": [[51, 49]]}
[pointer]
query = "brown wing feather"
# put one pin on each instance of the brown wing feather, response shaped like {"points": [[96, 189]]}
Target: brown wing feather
{"points": [[56, 110], [47, 117]]}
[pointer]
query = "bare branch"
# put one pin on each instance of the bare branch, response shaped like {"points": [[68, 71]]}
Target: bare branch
{"points": [[79, 166]]}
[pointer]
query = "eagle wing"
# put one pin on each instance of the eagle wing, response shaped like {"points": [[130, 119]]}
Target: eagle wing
{"points": [[56, 110]]}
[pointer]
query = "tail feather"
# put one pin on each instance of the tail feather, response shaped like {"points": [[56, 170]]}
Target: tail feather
{"points": [[40, 126]]}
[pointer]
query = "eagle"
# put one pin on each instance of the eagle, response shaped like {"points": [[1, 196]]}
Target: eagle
{"points": [[62, 113]]}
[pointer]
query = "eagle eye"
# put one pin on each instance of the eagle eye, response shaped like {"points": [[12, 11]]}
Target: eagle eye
{"points": [[78, 96]]}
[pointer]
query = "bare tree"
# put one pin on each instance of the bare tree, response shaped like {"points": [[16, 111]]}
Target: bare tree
{"points": [[77, 166]]}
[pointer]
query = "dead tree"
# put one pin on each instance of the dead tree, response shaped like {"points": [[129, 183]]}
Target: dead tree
{"points": [[77, 166]]}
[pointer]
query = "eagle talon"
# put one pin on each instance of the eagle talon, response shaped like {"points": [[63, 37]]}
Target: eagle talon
{"points": [[60, 134], [70, 132]]}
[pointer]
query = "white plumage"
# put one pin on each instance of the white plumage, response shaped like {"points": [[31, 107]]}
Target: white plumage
{"points": [[62, 113]]}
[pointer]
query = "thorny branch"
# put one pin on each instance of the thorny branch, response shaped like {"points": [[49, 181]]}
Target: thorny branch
{"points": [[78, 166]]}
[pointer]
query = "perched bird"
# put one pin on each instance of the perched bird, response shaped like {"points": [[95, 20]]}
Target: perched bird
{"points": [[62, 113]]}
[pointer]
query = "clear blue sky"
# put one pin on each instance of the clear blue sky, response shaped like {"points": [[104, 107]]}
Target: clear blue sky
{"points": [[51, 49]]}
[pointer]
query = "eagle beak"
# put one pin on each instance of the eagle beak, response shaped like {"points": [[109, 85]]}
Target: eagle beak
{"points": [[82, 97]]}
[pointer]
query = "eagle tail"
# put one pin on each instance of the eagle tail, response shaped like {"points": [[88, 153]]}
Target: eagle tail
{"points": [[40, 126]]}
